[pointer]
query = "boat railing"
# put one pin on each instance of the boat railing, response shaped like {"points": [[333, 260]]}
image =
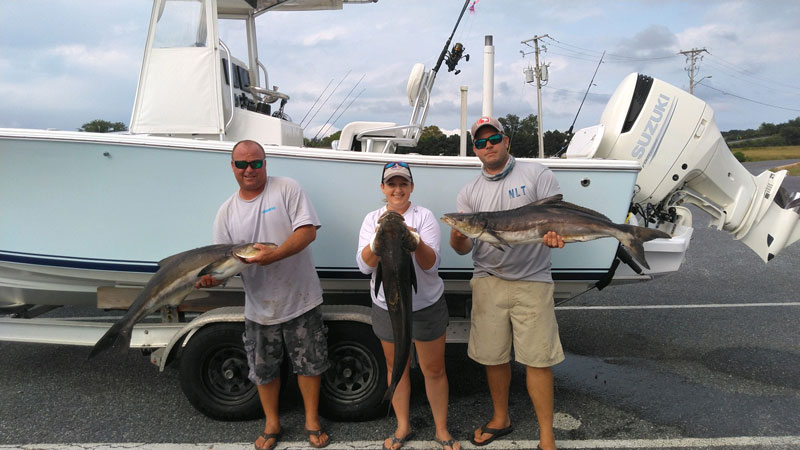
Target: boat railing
{"points": [[230, 85], [265, 94]]}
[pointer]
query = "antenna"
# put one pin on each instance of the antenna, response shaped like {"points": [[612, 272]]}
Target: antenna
{"points": [[591, 83]]}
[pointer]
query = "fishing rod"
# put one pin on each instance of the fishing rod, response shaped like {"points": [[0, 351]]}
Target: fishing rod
{"points": [[315, 102], [328, 98], [349, 104], [569, 132], [344, 110], [447, 44], [329, 125], [327, 122]]}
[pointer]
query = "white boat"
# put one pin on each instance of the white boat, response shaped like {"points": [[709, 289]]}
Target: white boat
{"points": [[117, 203], [98, 210], [84, 217]]}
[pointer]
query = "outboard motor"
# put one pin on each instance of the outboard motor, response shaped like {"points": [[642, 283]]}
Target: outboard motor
{"points": [[685, 159]]}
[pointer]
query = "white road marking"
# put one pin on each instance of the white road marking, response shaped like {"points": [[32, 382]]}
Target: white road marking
{"points": [[507, 444], [709, 305]]}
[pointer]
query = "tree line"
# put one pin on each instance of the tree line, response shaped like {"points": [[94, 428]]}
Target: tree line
{"points": [[524, 137], [522, 132], [766, 135]]}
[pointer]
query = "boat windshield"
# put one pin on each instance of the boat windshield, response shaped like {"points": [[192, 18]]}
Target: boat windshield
{"points": [[181, 23]]}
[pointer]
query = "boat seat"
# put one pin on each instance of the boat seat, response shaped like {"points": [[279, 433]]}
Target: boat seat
{"points": [[353, 129]]}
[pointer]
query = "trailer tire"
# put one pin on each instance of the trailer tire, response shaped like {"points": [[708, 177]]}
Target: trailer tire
{"points": [[213, 374], [353, 388]]}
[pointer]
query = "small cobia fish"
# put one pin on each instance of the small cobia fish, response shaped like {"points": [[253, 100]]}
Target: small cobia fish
{"points": [[529, 223], [173, 282], [394, 243]]}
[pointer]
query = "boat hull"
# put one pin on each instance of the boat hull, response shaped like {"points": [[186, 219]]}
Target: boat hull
{"points": [[79, 211]]}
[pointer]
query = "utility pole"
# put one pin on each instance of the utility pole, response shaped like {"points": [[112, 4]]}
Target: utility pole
{"points": [[691, 55], [535, 40]]}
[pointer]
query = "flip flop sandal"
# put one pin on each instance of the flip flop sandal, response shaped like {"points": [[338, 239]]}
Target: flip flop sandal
{"points": [[448, 443], [268, 436], [493, 432], [318, 434], [397, 440]]}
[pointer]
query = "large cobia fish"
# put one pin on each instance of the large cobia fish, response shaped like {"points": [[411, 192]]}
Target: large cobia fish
{"points": [[528, 224], [173, 282], [394, 243]]}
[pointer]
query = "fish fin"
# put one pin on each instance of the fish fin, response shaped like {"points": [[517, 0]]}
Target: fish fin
{"points": [[180, 255], [378, 278], [118, 336], [574, 207], [554, 199], [207, 269], [632, 238], [412, 241], [499, 239]]}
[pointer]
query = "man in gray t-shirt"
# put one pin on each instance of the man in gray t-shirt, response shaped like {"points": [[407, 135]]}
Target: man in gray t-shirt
{"points": [[282, 292], [512, 290]]}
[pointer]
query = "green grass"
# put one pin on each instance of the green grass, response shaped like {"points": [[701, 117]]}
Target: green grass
{"points": [[794, 170], [770, 153]]}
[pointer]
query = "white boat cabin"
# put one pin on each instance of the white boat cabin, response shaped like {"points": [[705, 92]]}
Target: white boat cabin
{"points": [[191, 86]]}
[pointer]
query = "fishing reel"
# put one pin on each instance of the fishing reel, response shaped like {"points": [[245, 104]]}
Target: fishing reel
{"points": [[454, 56]]}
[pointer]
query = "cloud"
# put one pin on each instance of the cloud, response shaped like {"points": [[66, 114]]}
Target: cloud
{"points": [[98, 59], [327, 35]]}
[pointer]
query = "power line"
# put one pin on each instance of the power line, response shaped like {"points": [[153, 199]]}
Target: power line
{"points": [[747, 99], [611, 55], [736, 68], [727, 72]]}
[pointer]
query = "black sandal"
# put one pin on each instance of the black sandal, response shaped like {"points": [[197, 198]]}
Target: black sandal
{"points": [[268, 436], [493, 432], [318, 434]]}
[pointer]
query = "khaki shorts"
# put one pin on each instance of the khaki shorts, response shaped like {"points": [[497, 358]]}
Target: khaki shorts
{"points": [[520, 311]]}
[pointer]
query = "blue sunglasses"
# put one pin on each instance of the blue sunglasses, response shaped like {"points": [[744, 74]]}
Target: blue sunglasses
{"points": [[493, 139], [396, 163], [255, 164]]}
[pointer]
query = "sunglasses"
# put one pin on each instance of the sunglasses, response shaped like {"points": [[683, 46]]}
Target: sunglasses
{"points": [[255, 164], [493, 139], [396, 163]]}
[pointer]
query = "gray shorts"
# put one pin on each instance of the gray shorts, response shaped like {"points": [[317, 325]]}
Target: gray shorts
{"points": [[428, 324], [303, 338]]}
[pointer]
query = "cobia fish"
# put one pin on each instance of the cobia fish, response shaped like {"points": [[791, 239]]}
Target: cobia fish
{"points": [[528, 224], [394, 243], [173, 282]]}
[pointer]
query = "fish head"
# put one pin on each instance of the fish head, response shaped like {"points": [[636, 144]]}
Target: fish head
{"points": [[245, 251], [390, 217], [392, 228], [467, 224]]}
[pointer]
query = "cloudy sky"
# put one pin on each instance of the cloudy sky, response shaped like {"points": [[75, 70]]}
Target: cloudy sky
{"points": [[65, 63]]}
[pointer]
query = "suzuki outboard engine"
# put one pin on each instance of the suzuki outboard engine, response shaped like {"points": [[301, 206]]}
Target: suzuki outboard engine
{"points": [[685, 159]]}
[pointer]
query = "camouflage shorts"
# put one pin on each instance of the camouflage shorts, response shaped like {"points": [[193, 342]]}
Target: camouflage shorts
{"points": [[303, 339]]}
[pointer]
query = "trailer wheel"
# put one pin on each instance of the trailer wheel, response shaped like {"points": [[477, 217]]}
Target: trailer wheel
{"points": [[213, 374], [354, 386]]}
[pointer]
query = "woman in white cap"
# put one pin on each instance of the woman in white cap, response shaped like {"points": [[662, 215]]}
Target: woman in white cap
{"points": [[430, 315]]}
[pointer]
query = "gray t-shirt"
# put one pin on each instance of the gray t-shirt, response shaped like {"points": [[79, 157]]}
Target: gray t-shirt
{"points": [[287, 288], [526, 183]]}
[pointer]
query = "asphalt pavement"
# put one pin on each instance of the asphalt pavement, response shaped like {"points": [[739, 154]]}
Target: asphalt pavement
{"points": [[708, 357]]}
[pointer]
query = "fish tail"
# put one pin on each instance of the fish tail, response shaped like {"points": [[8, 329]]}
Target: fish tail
{"points": [[118, 336], [632, 238]]}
